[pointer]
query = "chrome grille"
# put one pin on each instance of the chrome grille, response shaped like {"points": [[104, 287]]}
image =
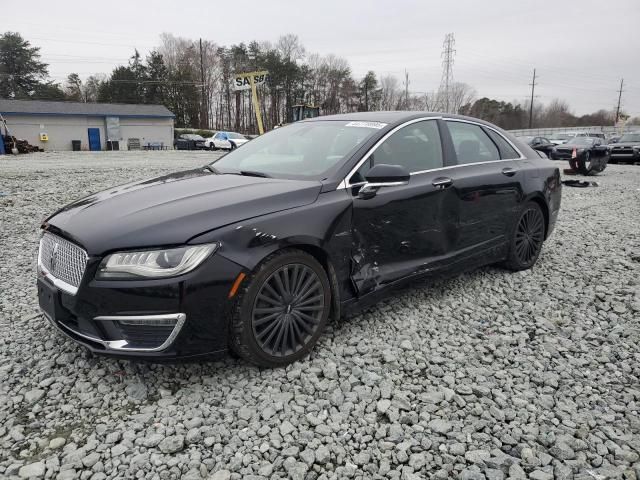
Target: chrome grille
{"points": [[62, 259]]}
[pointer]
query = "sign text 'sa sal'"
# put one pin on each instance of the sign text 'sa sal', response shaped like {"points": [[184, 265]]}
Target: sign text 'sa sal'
{"points": [[242, 81]]}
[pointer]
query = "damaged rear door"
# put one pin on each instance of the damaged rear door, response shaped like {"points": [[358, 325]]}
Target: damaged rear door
{"points": [[406, 229]]}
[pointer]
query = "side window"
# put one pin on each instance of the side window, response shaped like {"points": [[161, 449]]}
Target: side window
{"points": [[416, 147], [472, 145], [506, 150], [218, 136]]}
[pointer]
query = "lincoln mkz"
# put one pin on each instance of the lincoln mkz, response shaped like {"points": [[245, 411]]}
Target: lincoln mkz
{"points": [[258, 250]]}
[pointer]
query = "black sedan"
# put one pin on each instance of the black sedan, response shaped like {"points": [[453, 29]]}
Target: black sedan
{"points": [[586, 155], [257, 251], [626, 149], [190, 141], [540, 144]]}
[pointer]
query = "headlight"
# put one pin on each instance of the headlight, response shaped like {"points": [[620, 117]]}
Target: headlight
{"points": [[154, 263]]}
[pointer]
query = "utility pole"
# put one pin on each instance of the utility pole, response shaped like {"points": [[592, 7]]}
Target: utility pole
{"points": [[204, 120], [406, 90], [448, 52], [533, 88], [619, 101]]}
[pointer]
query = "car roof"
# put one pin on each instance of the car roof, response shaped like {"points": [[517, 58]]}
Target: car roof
{"points": [[393, 117]]}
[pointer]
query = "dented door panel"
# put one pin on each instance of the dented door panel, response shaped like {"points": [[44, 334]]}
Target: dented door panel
{"points": [[401, 231]]}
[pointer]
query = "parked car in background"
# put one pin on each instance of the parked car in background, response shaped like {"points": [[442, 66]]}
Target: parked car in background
{"points": [[586, 155], [626, 149], [256, 251], [542, 144], [189, 141], [208, 142], [227, 141], [560, 138]]}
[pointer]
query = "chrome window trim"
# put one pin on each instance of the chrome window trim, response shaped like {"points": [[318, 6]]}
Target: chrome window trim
{"points": [[345, 182], [121, 345]]}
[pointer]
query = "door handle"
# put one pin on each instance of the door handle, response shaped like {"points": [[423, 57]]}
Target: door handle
{"points": [[509, 172], [442, 182]]}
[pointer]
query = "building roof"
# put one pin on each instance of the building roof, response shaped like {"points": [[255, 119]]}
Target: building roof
{"points": [[41, 107]]}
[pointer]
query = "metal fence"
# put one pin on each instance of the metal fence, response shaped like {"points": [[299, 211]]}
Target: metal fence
{"points": [[594, 129]]}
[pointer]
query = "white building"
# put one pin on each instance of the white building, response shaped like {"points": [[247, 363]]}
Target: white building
{"points": [[55, 125]]}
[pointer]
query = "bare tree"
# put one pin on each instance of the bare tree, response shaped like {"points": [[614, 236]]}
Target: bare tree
{"points": [[390, 93], [460, 94], [290, 47], [557, 114]]}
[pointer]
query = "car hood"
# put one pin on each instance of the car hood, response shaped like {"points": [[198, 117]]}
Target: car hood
{"points": [[574, 145], [172, 209]]}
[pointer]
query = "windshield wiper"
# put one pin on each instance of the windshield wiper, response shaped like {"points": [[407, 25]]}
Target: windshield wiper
{"points": [[251, 173], [211, 169]]}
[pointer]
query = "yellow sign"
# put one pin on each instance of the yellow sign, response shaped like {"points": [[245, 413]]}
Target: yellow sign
{"points": [[250, 80], [243, 81], [44, 137]]}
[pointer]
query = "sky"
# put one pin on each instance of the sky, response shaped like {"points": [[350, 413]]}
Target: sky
{"points": [[580, 49]]}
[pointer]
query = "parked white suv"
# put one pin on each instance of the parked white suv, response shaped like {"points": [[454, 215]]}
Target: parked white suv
{"points": [[226, 141]]}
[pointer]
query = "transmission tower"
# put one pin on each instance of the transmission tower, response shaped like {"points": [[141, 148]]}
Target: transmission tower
{"points": [[448, 52]]}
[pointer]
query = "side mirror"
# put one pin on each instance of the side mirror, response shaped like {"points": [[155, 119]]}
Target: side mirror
{"points": [[383, 175]]}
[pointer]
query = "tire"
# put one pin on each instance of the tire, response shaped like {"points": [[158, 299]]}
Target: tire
{"points": [[268, 326], [212, 147], [233, 146], [584, 163], [526, 239]]}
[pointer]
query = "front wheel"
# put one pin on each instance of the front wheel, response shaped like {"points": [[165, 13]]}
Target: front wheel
{"points": [[233, 146], [282, 311], [526, 239]]}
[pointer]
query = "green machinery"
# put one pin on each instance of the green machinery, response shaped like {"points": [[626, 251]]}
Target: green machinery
{"points": [[302, 112]]}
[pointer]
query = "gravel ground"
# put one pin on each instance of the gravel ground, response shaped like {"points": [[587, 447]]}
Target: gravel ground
{"points": [[488, 375]]}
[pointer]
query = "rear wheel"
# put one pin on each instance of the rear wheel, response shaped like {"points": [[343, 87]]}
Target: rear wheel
{"points": [[282, 311], [527, 238]]}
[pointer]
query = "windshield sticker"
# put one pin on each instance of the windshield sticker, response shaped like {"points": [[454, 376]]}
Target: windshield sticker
{"points": [[376, 125]]}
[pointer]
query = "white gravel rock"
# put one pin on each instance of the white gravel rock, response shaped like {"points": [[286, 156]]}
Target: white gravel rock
{"points": [[32, 470], [489, 374]]}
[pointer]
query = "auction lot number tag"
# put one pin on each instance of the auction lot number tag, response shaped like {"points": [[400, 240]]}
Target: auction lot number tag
{"points": [[376, 125]]}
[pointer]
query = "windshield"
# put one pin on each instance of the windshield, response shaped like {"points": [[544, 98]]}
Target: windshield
{"points": [[236, 136], [582, 141], [305, 150], [630, 137]]}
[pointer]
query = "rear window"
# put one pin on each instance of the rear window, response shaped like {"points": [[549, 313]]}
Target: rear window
{"points": [[471, 143], [506, 150]]}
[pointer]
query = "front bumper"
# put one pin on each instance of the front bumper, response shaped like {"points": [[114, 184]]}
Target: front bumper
{"points": [[174, 318], [625, 155]]}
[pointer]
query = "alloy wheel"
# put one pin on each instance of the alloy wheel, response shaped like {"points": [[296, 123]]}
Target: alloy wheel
{"points": [[529, 235], [288, 310]]}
